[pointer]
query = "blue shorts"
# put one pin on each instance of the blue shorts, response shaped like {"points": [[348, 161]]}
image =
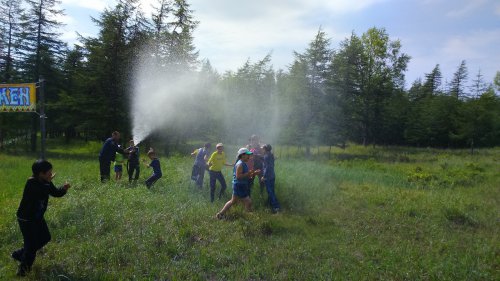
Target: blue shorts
{"points": [[118, 168], [241, 190]]}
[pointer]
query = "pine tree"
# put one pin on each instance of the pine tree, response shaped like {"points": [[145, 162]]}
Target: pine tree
{"points": [[10, 30], [457, 84], [433, 81], [110, 58], [478, 86], [41, 50], [316, 62]]}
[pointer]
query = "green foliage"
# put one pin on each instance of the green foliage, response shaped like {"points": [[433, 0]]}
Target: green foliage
{"points": [[357, 218], [329, 95]]}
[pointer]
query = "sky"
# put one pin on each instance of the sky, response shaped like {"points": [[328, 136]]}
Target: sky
{"points": [[230, 32]]}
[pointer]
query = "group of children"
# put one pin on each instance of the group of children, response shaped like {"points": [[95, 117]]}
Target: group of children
{"points": [[130, 158], [249, 165], [111, 151], [253, 161]]}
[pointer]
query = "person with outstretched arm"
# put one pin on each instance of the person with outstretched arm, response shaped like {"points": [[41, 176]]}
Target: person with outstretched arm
{"points": [[107, 155], [241, 189], [133, 167], [30, 214], [155, 164], [200, 164]]}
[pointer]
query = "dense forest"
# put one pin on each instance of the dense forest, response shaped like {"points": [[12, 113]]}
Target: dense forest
{"points": [[328, 95]]}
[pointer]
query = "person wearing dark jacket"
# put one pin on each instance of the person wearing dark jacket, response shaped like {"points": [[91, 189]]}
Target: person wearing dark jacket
{"points": [[155, 164], [269, 177], [107, 155], [30, 214], [133, 162]]}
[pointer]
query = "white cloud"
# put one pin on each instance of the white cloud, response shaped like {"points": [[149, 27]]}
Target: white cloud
{"points": [[497, 10], [466, 8], [230, 32], [66, 19], [474, 45]]}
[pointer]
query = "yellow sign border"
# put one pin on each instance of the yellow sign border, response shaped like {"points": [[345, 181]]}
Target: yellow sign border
{"points": [[24, 108]]}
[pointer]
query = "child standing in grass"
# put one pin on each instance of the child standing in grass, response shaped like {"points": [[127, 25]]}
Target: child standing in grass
{"points": [[255, 162], [119, 160], [215, 163], [268, 177], [30, 214], [200, 164], [241, 190], [155, 164], [133, 167]]}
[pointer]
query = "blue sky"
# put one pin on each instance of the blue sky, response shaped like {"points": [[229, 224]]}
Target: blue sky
{"points": [[431, 31]]}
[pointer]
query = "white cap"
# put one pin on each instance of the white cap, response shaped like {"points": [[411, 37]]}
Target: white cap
{"points": [[244, 150]]}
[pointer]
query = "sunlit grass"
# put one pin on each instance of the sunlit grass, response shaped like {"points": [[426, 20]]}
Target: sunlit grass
{"points": [[368, 213]]}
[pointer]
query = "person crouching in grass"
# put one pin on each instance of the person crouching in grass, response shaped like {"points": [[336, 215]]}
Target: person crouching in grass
{"points": [[155, 164], [241, 189], [30, 214]]}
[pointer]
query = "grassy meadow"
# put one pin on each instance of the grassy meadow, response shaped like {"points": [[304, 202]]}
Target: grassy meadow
{"points": [[364, 214]]}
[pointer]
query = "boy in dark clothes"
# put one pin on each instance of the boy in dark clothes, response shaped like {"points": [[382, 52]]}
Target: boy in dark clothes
{"points": [[155, 164], [30, 213], [133, 162], [107, 154], [269, 177]]}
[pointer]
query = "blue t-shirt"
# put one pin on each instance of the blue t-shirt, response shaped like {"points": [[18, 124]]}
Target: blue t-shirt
{"points": [[268, 172], [155, 164], [245, 170]]}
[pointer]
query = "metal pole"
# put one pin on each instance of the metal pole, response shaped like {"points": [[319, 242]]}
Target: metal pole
{"points": [[41, 82]]}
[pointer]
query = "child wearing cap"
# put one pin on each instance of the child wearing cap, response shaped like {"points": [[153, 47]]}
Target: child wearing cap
{"points": [[241, 191], [215, 163], [155, 164]]}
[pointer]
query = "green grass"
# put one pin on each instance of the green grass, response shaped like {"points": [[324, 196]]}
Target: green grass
{"points": [[366, 214]]}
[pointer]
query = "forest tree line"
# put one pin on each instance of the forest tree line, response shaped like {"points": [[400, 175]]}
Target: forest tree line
{"points": [[354, 92]]}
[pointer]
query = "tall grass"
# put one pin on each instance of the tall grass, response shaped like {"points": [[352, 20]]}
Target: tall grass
{"points": [[387, 213]]}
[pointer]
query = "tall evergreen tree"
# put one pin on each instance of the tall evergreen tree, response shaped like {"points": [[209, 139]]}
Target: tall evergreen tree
{"points": [[110, 57], [316, 62], [10, 30], [376, 74], [496, 81], [457, 84], [478, 86], [41, 49], [433, 81]]}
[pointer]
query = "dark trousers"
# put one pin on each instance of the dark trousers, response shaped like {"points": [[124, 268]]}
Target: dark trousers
{"points": [[35, 235], [131, 169], [213, 177], [198, 174], [151, 180], [104, 169], [273, 201]]}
